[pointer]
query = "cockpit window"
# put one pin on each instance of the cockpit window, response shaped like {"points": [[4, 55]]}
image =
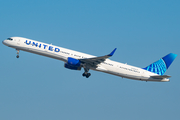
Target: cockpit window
{"points": [[9, 39]]}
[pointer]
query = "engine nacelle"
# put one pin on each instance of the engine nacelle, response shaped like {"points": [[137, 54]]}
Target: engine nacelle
{"points": [[73, 61], [73, 64], [72, 67]]}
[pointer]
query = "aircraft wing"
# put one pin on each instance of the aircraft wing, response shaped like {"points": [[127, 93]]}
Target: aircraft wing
{"points": [[97, 60]]}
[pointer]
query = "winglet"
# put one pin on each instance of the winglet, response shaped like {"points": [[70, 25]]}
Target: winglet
{"points": [[111, 54]]}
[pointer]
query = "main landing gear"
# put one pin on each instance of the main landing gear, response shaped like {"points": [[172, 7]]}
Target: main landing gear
{"points": [[17, 54], [86, 74]]}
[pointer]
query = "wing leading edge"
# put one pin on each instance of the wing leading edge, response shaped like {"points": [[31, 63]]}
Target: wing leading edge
{"points": [[97, 60]]}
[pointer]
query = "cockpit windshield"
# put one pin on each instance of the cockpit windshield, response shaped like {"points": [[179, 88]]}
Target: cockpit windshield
{"points": [[9, 39]]}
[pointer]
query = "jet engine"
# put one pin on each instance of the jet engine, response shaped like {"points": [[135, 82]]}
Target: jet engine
{"points": [[73, 64]]}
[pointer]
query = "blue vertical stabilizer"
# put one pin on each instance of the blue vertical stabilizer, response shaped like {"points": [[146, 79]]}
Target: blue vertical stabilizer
{"points": [[159, 67]]}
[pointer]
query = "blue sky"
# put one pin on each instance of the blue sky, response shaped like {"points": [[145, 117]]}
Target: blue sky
{"points": [[34, 87]]}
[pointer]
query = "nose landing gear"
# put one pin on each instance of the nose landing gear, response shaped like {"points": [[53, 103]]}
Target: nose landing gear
{"points": [[17, 54]]}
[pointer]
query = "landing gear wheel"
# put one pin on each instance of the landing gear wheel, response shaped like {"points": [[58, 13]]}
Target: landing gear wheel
{"points": [[17, 53], [86, 75], [89, 74], [83, 74]]}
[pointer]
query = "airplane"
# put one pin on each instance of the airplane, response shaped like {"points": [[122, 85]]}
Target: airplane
{"points": [[76, 60]]}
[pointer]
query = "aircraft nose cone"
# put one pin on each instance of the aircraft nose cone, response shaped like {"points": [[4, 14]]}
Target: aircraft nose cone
{"points": [[3, 41]]}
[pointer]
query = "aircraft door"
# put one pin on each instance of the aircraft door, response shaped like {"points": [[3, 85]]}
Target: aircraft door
{"points": [[18, 41], [142, 76]]}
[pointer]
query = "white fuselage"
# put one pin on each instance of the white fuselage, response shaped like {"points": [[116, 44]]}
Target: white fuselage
{"points": [[108, 66]]}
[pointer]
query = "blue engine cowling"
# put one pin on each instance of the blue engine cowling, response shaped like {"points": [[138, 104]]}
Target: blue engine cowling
{"points": [[73, 64]]}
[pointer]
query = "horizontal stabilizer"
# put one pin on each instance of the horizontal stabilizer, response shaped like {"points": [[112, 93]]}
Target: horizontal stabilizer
{"points": [[161, 77]]}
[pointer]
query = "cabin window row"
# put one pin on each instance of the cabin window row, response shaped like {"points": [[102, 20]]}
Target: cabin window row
{"points": [[133, 70]]}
